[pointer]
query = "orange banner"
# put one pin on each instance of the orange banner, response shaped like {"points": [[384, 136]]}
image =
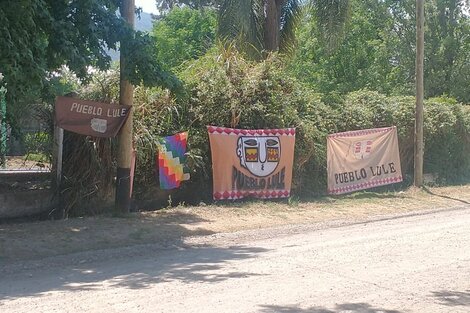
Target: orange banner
{"points": [[363, 159], [251, 163]]}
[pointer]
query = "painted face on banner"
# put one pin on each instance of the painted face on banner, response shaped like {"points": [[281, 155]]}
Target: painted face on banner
{"points": [[259, 154], [362, 149]]}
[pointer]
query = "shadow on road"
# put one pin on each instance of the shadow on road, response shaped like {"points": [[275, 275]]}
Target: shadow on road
{"points": [[345, 307], [38, 240], [445, 197], [453, 298], [143, 270]]}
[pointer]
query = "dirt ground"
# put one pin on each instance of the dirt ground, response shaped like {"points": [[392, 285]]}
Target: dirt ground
{"points": [[37, 240], [22, 163]]}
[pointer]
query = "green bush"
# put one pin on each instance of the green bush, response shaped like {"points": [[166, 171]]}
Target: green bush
{"points": [[39, 142], [224, 89], [447, 140]]}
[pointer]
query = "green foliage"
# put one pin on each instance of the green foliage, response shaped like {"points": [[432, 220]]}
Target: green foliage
{"points": [[377, 51], [89, 163], [260, 25], [446, 130], [184, 34], [167, 5], [142, 65], [447, 140], [39, 37], [447, 29], [37, 157], [155, 115], [351, 66], [364, 110], [225, 89], [40, 142], [331, 17], [229, 91]]}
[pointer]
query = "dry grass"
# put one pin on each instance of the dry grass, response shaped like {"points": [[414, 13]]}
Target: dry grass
{"points": [[40, 239]]}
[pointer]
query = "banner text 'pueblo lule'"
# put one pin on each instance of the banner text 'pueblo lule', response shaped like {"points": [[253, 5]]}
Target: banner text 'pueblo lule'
{"points": [[362, 159]]}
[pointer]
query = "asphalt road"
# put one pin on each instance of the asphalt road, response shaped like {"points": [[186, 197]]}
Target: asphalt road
{"points": [[405, 264]]}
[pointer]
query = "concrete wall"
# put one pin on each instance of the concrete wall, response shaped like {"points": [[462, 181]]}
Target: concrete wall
{"points": [[24, 203], [20, 196]]}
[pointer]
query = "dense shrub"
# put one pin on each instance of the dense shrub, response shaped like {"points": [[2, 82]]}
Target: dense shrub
{"points": [[88, 162], [226, 90], [447, 140], [229, 91]]}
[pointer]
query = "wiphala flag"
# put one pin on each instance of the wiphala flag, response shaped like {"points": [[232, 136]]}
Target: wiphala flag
{"points": [[171, 161]]}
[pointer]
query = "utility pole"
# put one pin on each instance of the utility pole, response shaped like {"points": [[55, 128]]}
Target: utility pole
{"points": [[419, 141], [3, 128], [123, 197]]}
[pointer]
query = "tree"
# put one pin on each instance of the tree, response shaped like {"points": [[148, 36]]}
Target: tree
{"points": [[168, 5], [184, 34], [38, 37], [378, 50], [446, 49], [269, 25], [260, 25], [3, 129], [361, 60]]}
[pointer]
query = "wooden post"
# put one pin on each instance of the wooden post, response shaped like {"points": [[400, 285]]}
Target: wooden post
{"points": [[123, 199], [3, 128], [57, 154], [419, 141]]}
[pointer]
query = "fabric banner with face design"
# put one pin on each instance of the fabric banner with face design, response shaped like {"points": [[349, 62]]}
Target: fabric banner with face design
{"points": [[251, 163], [363, 159]]}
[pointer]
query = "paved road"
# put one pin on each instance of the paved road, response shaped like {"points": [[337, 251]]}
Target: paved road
{"points": [[408, 264]]}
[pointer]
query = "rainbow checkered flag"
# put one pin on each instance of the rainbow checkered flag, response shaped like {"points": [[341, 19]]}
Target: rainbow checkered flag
{"points": [[171, 161]]}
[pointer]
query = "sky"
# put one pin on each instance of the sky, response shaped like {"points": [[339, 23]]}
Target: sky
{"points": [[148, 6]]}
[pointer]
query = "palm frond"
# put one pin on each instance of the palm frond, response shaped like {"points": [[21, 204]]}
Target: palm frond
{"points": [[331, 16], [290, 18], [242, 21]]}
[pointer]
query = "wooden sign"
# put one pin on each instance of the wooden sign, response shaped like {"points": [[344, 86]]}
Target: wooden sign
{"points": [[89, 117]]}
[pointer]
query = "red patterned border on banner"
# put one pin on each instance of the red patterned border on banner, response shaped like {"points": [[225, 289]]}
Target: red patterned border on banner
{"points": [[251, 132], [258, 194], [375, 183], [355, 133]]}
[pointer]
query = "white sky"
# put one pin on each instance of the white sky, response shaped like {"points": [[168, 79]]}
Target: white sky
{"points": [[147, 6]]}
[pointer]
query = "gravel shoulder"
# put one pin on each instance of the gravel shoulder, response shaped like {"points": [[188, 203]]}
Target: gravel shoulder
{"points": [[183, 225], [401, 263]]}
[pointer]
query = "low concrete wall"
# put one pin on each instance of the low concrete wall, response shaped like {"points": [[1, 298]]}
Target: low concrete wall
{"points": [[24, 175], [24, 193], [24, 203]]}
